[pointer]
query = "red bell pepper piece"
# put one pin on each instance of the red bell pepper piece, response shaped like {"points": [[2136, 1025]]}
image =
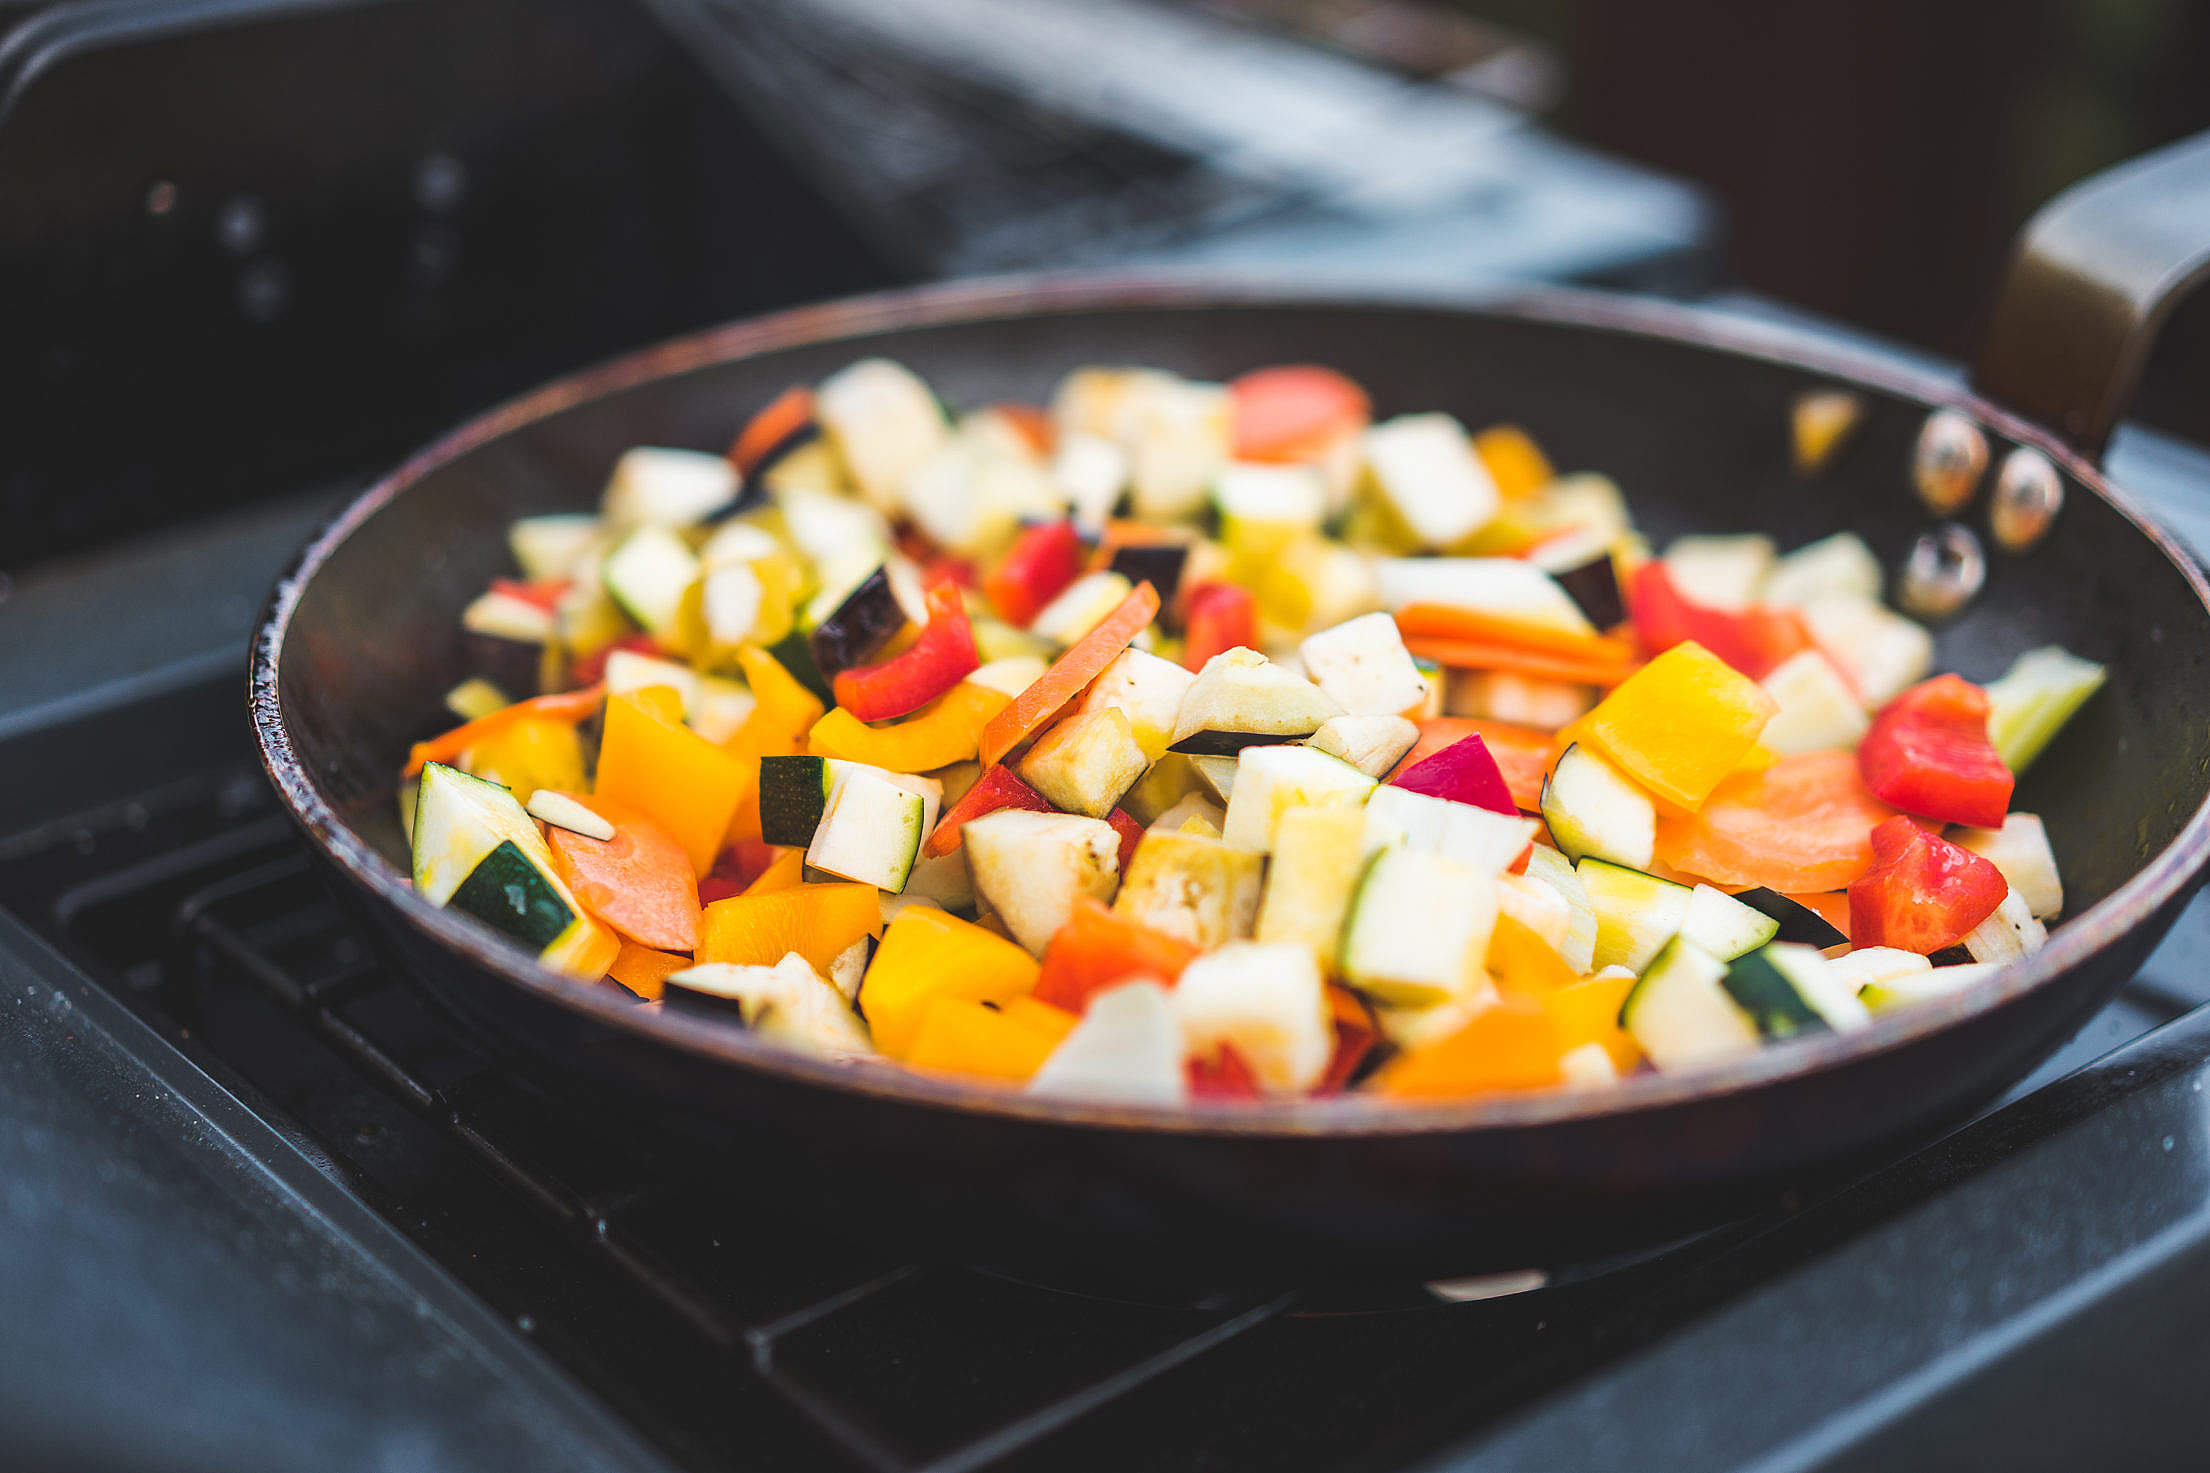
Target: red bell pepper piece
{"points": [[1753, 641], [543, 593], [1222, 1076], [943, 656], [1217, 617], [995, 789], [1462, 772], [1041, 562], [1131, 834], [789, 412], [1355, 1036], [1097, 949], [1922, 893], [1294, 412], [1928, 753]]}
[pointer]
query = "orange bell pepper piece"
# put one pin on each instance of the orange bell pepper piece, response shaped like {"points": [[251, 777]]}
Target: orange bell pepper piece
{"points": [[786, 871], [947, 732], [961, 1036], [1097, 948], [927, 956], [1523, 962], [1587, 1011], [1514, 461], [645, 971], [1511, 1044], [1034, 707], [672, 776], [819, 922], [570, 706]]}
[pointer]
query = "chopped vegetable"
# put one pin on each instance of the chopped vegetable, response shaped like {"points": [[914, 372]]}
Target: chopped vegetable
{"points": [[947, 732], [1680, 724], [1512, 1043], [1928, 753], [943, 656], [2030, 704], [817, 921], [1036, 570], [637, 880], [926, 955], [1034, 708], [1294, 413], [1922, 893], [1462, 772], [1802, 824], [1031, 868], [1217, 617], [672, 776]]}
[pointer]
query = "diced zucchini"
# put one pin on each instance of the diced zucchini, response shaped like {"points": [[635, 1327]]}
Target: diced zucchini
{"points": [[649, 573], [1315, 870], [1486, 843], [1840, 566], [1011, 674], [1418, 928], [1789, 989], [1886, 653], [2010, 934], [503, 616], [1240, 699], [789, 1002], [739, 543], [564, 812], [730, 600], [1178, 436], [551, 546], [1031, 867], [944, 882], [1364, 668], [655, 487], [1508, 587], [1523, 700], [1594, 810], [1372, 744], [1271, 780], [1680, 1013], [629, 670], [1924, 986], [1720, 572], [1281, 498], [2020, 849], [1867, 965], [1202, 890], [1424, 469], [1636, 913], [477, 851], [475, 698], [1148, 690], [1267, 1001], [1091, 472], [1723, 925], [885, 424], [1551, 868], [2030, 704], [1795, 921], [1128, 1049], [871, 831], [826, 527], [1086, 762], [1818, 711], [1080, 607], [794, 793]]}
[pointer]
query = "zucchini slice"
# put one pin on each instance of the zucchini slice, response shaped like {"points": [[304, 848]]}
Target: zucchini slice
{"points": [[1723, 925], [1795, 921], [1418, 928], [551, 546], [1593, 810], [649, 573], [1681, 1014], [1636, 913], [2030, 704], [1271, 780], [796, 791], [1924, 985], [1791, 989], [871, 831], [477, 851]]}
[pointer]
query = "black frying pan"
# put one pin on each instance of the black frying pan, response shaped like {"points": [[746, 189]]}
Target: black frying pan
{"points": [[1689, 413]]}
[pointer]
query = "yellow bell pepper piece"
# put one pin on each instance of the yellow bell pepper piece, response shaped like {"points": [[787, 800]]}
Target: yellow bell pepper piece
{"points": [[1514, 461], [786, 871], [1054, 1022], [664, 701], [1510, 1044], [960, 1036], [1522, 961], [1587, 1011], [927, 954], [1680, 723], [784, 708], [672, 775], [819, 922], [528, 753], [645, 971], [947, 732]]}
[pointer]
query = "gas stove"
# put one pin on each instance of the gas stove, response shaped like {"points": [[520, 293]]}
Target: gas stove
{"points": [[261, 1208]]}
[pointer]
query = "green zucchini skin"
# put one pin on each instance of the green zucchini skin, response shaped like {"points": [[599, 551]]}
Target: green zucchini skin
{"points": [[1770, 997], [506, 890]]}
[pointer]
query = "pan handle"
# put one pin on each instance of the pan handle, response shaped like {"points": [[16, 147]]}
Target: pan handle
{"points": [[2090, 281]]}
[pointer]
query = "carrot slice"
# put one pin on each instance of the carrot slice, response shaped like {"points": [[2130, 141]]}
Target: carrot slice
{"points": [[1522, 753], [1034, 424], [1469, 654], [567, 705], [784, 416], [1803, 824], [1294, 411], [1444, 622], [1034, 707], [639, 882]]}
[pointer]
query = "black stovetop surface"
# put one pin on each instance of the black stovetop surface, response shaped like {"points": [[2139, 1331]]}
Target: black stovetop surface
{"points": [[262, 1209]]}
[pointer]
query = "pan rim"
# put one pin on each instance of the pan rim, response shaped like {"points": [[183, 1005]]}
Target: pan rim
{"points": [[2163, 877]]}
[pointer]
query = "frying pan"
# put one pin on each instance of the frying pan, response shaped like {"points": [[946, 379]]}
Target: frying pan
{"points": [[1688, 411]]}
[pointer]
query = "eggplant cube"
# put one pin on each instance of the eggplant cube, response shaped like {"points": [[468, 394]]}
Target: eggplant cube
{"points": [[1372, 744], [1419, 928], [1313, 875], [1271, 780], [884, 423], [1031, 867], [1202, 890], [1128, 1048], [1149, 689], [652, 487], [1364, 667], [1424, 467], [1268, 1002], [1086, 763], [1242, 698]]}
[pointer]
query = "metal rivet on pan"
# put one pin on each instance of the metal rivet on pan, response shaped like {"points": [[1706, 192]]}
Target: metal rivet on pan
{"points": [[1819, 421], [2028, 495], [1943, 572], [1949, 461]]}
